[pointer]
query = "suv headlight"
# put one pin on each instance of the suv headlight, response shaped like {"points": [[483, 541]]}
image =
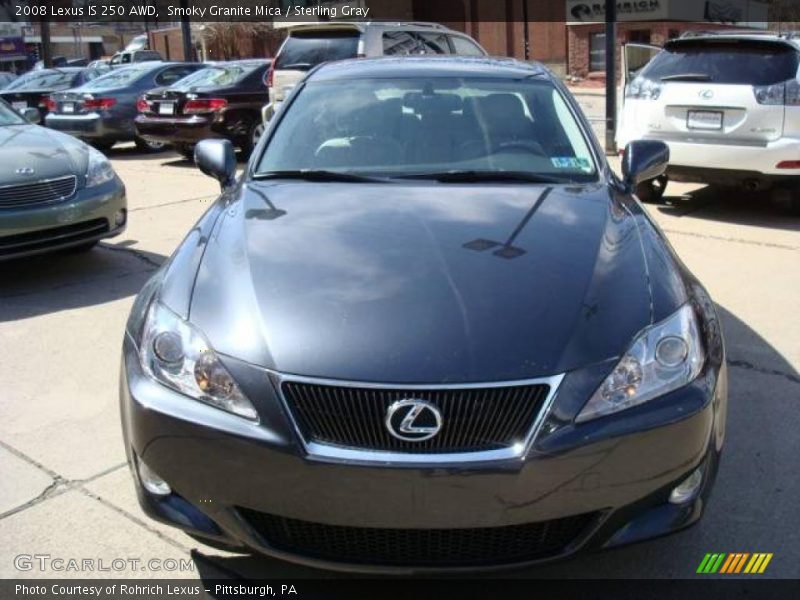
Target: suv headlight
{"points": [[99, 170], [176, 354], [661, 359], [644, 89]]}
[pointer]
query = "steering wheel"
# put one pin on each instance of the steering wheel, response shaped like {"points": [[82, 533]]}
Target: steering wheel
{"points": [[521, 146]]}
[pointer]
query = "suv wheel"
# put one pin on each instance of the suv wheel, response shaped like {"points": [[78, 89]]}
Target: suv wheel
{"points": [[653, 189]]}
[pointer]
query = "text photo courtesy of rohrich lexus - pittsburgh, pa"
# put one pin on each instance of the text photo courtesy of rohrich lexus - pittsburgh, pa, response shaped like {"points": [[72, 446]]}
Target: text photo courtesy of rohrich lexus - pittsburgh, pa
{"points": [[347, 299]]}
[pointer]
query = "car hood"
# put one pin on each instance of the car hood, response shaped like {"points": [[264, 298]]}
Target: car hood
{"points": [[49, 153], [422, 283]]}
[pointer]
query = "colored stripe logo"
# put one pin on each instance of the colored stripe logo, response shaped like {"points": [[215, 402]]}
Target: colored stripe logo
{"points": [[733, 563]]}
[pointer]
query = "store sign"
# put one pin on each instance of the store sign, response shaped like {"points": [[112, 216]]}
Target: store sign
{"points": [[579, 11], [742, 12]]}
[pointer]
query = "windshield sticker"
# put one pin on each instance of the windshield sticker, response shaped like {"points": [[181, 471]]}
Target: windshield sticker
{"points": [[570, 162]]}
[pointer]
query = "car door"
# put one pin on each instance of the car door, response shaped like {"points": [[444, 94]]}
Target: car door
{"points": [[635, 57]]}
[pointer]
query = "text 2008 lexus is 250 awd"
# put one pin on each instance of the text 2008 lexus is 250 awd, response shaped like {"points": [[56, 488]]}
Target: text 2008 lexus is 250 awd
{"points": [[427, 329]]}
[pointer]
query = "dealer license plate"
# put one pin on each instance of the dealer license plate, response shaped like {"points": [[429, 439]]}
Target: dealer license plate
{"points": [[166, 108], [704, 119]]}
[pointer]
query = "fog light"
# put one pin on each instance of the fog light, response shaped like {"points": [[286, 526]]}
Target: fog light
{"points": [[119, 218], [687, 489], [152, 482]]}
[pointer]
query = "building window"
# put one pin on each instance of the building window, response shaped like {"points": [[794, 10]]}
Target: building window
{"points": [[639, 36], [597, 51]]}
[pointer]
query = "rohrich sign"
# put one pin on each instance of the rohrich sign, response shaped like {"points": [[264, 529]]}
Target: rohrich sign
{"points": [[716, 11]]}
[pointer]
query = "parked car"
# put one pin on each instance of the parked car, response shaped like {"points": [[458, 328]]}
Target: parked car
{"points": [[428, 328], [726, 104], [6, 78], [120, 59], [55, 191], [222, 100], [309, 45], [102, 112], [34, 88]]}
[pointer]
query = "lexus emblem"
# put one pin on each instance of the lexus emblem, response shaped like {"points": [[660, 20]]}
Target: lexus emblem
{"points": [[413, 420], [25, 171], [706, 94]]}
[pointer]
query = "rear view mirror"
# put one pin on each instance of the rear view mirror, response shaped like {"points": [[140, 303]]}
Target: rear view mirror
{"points": [[217, 159], [32, 115], [644, 160]]}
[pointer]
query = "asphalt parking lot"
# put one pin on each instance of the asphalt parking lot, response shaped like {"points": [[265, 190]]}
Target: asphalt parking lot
{"points": [[66, 489]]}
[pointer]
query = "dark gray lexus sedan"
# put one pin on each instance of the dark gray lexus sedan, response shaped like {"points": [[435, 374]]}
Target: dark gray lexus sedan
{"points": [[427, 329], [55, 191]]}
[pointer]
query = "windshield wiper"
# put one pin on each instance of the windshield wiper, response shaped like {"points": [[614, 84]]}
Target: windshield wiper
{"points": [[477, 176], [319, 175], [687, 77]]}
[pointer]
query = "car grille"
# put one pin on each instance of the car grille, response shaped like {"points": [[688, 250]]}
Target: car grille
{"points": [[37, 192], [56, 236], [420, 547], [473, 419]]}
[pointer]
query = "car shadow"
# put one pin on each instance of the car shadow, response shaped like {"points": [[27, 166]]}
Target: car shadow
{"points": [[69, 280], [129, 152], [753, 499], [732, 206]]}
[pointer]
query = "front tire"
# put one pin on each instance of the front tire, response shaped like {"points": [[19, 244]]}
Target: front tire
{"points": [[187, 151], [652, 191]]}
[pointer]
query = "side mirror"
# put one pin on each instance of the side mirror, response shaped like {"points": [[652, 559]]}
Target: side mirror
{"points": [[644, 160], [216, 159], [32, 115]]}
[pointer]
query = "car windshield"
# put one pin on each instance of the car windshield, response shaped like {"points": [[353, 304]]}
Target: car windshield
{"points": [[442, 128], [724, 61], [117, 78], [9, 116], [217, 75], [43, 80]]}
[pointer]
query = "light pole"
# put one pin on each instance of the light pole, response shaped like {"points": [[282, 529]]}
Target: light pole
{"points": [[186, 32], [611, 75]]}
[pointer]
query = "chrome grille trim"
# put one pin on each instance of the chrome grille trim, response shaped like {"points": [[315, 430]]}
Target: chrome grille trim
{"points": [[330, 453], [34, 193]]}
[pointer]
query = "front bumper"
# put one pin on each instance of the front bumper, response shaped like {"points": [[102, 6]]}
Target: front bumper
{"points": [[223, 470], [90, 215], [93, 126]]}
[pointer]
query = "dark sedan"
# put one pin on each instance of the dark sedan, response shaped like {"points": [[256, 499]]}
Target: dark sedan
{"points": [[33, 89], [428, 328], [55, 191], [102, 111], [221, 101]]}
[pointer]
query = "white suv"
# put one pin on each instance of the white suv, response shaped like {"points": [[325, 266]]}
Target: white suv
{"points": [[308, 45], [727, 104]]}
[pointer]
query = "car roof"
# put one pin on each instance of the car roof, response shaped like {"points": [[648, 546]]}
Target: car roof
{"points": [[429, 66], [364, 25], [767, 37]]}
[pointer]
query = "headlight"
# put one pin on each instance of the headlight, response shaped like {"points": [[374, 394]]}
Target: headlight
{"points": [[645, 89], [175, 353], [662, 358], [99, 169]]}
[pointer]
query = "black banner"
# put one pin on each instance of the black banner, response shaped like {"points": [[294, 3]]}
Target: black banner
{"points": [[734, 12], [391, 588]]}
